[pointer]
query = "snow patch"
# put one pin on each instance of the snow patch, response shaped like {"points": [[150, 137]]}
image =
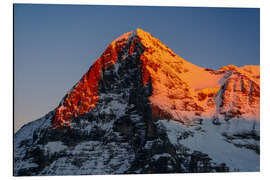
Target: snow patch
{"points": [[208, 138]]}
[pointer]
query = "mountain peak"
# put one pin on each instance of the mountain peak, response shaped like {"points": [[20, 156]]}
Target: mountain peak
{"points": [[178, 88], [147, 40]]}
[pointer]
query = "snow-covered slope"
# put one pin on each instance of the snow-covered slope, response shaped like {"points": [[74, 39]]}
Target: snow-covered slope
{"points": [[141, 108], [235, 143]]}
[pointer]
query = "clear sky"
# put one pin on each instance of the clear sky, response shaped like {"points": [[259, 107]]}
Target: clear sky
{"points": [[56, 44]]}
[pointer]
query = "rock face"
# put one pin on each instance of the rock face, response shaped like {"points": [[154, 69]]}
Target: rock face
{"points": [[141, 108]]}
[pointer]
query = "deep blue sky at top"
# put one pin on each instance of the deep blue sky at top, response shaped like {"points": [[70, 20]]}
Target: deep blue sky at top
{"points": [[56, 44]]}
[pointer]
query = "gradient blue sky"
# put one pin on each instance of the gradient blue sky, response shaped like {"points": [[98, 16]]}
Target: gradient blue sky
{"points": [[56, 44]]}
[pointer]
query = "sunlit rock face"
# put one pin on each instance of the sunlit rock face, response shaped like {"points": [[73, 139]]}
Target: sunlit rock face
{"points": [[84, 95], [140, 108]]}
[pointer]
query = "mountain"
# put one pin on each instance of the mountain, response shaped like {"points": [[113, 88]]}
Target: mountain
{"points": [[141, 108]]}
